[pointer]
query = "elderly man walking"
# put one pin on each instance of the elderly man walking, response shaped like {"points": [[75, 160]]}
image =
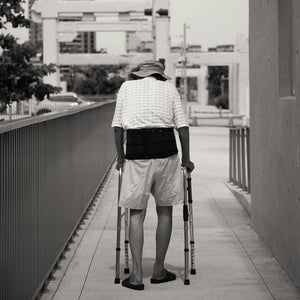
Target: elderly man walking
{"points": [[148, 109]]}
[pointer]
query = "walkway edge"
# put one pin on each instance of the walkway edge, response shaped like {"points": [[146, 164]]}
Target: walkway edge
{"points": [[243, 197]]}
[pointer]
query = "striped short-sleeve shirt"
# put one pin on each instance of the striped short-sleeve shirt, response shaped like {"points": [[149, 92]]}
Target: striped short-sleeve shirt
{"points": [[148, 103]]}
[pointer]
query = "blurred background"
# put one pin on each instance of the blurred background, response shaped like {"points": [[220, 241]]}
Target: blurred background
{"points": [[203, 44]]}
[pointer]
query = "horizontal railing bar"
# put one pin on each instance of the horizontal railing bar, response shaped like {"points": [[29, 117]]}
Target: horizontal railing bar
{"points": [[49, 116]]}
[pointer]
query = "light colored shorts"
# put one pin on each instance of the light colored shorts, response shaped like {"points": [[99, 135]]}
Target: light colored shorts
{"points": [[161, 177]]}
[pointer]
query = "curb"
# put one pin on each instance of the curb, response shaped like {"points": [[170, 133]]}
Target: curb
{"points": [[243, 197]]}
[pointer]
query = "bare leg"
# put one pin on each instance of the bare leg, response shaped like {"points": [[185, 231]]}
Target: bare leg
{"points": [[136, 242], [163, 235]]}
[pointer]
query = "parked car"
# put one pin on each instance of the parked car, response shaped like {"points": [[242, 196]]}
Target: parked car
{"points": [[58, 103]]}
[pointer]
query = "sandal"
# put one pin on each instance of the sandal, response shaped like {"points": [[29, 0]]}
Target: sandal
{"points": [[126, 283], [168, 277]]}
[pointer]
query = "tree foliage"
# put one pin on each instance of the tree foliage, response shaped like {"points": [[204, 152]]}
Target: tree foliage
{"points": [[216, 74], [95, 80], [11, 11], [19, 78]]}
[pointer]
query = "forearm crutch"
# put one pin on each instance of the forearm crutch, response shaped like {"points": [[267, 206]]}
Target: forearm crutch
{"points": [[188, 223], [126, 242], [191, 221]]}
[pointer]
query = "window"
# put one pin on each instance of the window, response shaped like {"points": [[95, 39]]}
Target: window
{"points": [[287, 47]]}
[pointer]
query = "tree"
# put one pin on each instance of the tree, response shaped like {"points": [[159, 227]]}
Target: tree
{"points": [[19, 78], [95, 80], [216, 75]]}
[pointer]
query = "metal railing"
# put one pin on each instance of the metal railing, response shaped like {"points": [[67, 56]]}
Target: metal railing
{"points": [[51, 166], [239, 157]]}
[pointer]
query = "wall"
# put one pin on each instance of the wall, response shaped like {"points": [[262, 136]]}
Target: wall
{"points": [[275, 140]]}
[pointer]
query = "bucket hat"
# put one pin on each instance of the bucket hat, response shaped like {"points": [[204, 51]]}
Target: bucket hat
{"points": [[150, 67]]}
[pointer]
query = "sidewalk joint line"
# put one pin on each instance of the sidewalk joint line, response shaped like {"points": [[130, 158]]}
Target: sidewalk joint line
{"points": [[98, 243]]}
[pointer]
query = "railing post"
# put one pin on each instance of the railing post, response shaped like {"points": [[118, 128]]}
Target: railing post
{"points": [[243, 159], [248, 159], [239, 156], [234, 156], [230, 155]]}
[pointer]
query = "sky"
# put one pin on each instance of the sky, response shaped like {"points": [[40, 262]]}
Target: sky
{"points": [[210, 22]]}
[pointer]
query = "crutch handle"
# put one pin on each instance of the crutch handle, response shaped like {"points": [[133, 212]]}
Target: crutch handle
{"points": [[119, 185], [187, 173]]}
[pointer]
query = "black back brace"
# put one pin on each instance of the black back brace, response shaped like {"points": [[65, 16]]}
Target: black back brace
{"points": [[150, 143]]}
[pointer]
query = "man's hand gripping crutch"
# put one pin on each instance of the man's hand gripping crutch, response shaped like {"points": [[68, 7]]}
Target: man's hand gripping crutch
{"points": [[188, 224], [126, 241]]}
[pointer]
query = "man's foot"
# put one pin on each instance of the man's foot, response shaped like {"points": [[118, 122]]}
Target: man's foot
{"points": [[167, 277], [126, 283]]}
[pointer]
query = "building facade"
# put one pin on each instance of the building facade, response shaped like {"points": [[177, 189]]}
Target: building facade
{"points": [[84, 42], [137, 42], [275, 128], [237, 81], [35, 30]]}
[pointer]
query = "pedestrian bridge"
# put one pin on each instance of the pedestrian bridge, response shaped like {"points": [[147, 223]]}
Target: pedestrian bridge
{"points": [[58, 190]]}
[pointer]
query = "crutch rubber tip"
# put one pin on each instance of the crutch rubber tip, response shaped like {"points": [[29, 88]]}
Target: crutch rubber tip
{"points": [[117, 280], [126, 271], [187, 282], [193, 271]]}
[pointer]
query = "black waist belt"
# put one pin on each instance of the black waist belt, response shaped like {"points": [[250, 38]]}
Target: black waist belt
{"points": [[150, 143]]}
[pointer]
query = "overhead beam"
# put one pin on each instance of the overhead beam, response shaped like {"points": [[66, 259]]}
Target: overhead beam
{"points": [[89, 6], [211, 58], [102, 26], [101, 59], [90, 59]]}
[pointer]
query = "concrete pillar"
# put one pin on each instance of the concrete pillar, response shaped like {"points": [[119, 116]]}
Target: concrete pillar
{"points": [[199, 89], [246, 112], [230, 90], [172, 72], [50, 49], [163, 41], [236, 94], [243, 77], [162, 34], [202, 86], [234, 88]]}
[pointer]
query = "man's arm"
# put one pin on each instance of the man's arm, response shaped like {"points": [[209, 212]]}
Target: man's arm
{"points": [[184, 137], [119, 141]]}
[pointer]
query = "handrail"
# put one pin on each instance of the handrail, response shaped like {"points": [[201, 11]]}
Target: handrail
{"points": [[49, 116], [239, 157]]}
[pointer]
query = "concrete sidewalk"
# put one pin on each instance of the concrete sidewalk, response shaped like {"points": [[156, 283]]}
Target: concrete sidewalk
{"points": [[231, 261]]}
